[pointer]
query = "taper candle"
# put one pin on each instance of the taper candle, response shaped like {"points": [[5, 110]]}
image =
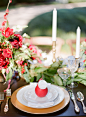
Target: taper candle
{"points": [[78, 43], [54, 25]]}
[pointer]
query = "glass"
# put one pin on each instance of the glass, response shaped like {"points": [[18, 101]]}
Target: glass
{"points": [[64, 73], [73, 64]]}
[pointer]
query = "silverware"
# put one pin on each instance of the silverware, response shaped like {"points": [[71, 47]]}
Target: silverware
{"points": [[8, 96], [74, 101], [80, 97]]}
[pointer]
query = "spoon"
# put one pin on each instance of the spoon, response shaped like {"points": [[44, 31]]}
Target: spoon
{"points": [[80, 97]]}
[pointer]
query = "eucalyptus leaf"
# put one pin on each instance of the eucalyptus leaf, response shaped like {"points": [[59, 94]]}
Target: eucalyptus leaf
{"points": [[26, 77], [75, 79], [82, 76], [42, 69], [48, 74], [56, 64], [48, 79], [83, 82], [57, 80], [38, 76]]}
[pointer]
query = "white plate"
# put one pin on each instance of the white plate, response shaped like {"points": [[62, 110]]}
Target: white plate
{"points": [[30, 95], [54, 101]]}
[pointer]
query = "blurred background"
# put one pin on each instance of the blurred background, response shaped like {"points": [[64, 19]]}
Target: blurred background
{"points": [[37, 14]]}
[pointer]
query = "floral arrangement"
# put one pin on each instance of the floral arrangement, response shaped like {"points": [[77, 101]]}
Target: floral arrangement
{"points": [[83, 53], [14, 55]]}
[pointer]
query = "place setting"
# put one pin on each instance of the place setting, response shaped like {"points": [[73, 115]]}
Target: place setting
{"points": [[32, 83], [40, 98]]}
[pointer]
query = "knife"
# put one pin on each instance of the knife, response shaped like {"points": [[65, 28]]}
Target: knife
{"points": [[74, 101]]}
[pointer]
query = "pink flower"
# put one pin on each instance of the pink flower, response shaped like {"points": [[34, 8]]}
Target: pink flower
{"points": [[8, 32], [7, 70], [85, 52], [7, 53], [33, 48], [19, 62], [85, 39], [10, 1]]}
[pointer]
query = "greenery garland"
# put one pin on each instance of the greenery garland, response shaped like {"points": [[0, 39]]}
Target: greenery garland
{"points": [[50, 74]]}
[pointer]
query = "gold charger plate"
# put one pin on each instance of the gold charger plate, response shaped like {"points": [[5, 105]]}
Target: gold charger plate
{"points": [[26, 109]]}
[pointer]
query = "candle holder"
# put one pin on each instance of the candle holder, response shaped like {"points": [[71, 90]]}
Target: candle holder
{"points": [[54, 51], [78, 59]]}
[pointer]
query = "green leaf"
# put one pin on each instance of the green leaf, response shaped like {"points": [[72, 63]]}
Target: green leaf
{"points": [[82, 76], [9, 75], [48, 79], [26, 77], [51, 70], [48, 74], [42, 69], [38, 76], [32, 79], [56, 64], [83, 82], [75, 79], [57, 80]]}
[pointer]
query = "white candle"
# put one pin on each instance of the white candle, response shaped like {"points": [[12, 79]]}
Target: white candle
{"points": [[78, 43], [54, 25]]}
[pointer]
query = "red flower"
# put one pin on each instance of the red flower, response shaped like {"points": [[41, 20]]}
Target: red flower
{"points": [[84, 60], [7, 53], [16, 41], [10, 1], [8, 32], [3, 43], [25, 64], [23, 70], [85, 39], [5, 17], [85, 52], [3, 62], [2, 29], [7, 11], [3, 23]]}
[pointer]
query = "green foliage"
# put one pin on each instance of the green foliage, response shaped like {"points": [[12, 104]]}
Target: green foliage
{"points": [[9, 75], [51, 76], [47, 73]]}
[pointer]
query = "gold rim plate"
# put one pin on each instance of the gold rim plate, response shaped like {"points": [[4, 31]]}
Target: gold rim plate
{"points": [[26, 109]]}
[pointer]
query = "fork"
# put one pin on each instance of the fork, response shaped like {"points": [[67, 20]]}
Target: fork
{"points": [[77, 109], [8, 96]]}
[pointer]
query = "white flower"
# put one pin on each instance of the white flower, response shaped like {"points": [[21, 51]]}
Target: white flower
{"points": [[25, 35], [24, 46], [44, 55], [18, 28], [83, 43]]}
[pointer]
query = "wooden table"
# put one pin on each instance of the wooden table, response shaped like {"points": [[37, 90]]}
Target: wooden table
{"points": [[65, 112]]}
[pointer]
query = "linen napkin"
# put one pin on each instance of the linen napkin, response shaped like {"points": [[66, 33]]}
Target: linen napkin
{"points": [[40, 105]]}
